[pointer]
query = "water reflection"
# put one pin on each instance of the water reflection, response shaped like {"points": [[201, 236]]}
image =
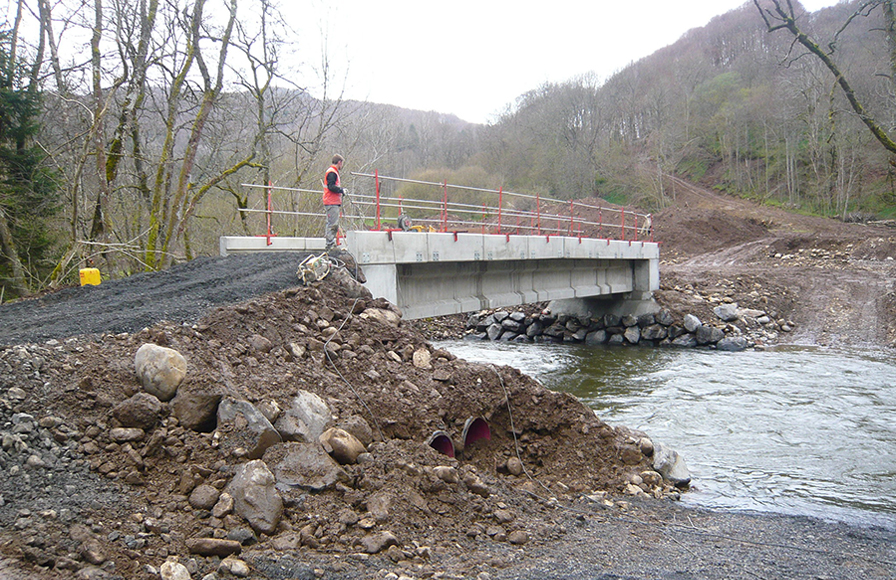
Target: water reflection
{"points": [[798, 431]]}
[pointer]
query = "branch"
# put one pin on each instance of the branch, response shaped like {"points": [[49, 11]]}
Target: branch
{"points": [[786, 20], [860, 11]]}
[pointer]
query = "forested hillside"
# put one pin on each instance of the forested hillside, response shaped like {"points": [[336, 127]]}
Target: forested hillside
{"points": [[729, 104], [155, 120]]}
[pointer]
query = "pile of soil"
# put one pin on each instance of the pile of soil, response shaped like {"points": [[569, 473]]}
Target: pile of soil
{"points": [[581, 502], [836, 281], [76, 500]]}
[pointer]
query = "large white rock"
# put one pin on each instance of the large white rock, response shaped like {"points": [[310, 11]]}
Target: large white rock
{"points": [[382, 315], [670, 465], [171, 570], [691, 323], [307, 418], [255, 497], [341, 445], [727, 312], [160, 370]]}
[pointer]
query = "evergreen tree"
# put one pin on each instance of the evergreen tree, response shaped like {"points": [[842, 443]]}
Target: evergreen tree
{"points": [[28, 196]]}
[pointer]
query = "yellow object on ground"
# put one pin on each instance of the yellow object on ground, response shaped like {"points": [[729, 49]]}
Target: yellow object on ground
{"points": [[90, 276]]}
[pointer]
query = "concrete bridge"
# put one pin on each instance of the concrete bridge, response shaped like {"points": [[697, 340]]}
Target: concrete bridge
{"points": [[585, 257], [439, 273]]}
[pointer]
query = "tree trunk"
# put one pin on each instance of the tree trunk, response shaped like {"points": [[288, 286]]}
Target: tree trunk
{"points": [[183, 204], [890, 31], [8, 247], [100, 228], [779, 18]]}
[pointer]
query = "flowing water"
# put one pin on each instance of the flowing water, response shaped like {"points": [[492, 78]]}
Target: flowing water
{"points": [[792, 430]]}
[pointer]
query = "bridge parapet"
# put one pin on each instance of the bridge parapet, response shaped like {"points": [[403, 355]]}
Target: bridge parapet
{"points": [[412, 247]]}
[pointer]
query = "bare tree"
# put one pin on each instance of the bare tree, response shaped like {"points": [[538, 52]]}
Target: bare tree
{"points": [[779, 15]]}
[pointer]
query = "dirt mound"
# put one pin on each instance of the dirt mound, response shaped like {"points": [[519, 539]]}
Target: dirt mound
{"points": [[78, 499], [831, 282], [684, 232]]}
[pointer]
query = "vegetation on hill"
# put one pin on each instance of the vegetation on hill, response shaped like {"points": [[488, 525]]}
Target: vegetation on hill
{"points": [[729, 104], [156, 129]]}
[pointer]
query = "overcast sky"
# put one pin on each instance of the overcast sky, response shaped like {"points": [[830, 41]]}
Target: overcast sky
{"points": [[473, 58]]}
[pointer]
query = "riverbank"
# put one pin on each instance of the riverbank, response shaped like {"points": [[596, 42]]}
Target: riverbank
{"points": [[78, 501], [84, 499], [836, 281]]}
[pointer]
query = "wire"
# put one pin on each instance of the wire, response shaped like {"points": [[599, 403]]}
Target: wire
{"points": [[516, 445], [338, 372]]}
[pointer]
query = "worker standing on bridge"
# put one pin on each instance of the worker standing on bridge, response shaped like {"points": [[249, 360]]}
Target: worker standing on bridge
{"points": [[333, 200]]}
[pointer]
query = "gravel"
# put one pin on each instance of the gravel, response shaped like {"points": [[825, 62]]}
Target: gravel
{"points": [[182, 293]]}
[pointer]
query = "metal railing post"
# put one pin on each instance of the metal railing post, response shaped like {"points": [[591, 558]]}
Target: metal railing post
{"points": [[572, 217], [622, 227], [445, 206], [268, 215], [538, 212], [376, 178], [500, 200]]}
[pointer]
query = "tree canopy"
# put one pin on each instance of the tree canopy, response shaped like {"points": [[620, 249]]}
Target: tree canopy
{"points": [[162, 134], [28, 198]]}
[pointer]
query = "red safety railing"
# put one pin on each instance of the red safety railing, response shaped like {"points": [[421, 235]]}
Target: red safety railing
{"points": [[450, 208], [571, 218]]}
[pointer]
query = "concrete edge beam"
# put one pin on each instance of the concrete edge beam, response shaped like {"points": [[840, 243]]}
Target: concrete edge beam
{"points": [[241, 244]]}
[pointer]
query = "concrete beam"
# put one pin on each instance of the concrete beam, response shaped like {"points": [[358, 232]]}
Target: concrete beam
{"points": [[447, 273], [240, 244]]}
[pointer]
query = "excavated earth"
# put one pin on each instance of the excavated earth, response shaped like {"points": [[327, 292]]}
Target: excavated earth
{"points": [[77, 503]]}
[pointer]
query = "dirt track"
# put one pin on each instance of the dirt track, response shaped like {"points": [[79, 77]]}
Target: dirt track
{"points": [[836, 281], [181, 294]]}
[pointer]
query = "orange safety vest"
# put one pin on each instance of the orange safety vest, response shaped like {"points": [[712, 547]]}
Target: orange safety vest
{"points": [[330, 197]]}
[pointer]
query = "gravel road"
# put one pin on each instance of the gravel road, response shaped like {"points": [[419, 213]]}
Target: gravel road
{"points": [[182, 293]]}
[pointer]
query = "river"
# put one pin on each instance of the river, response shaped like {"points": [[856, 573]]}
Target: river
{"points": [[799, 431]]}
